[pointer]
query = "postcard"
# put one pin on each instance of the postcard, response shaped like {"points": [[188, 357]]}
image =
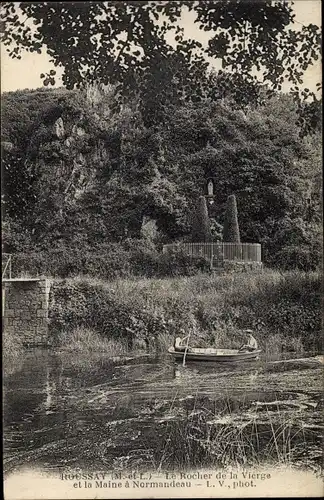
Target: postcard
{"points": [[162, 249]]}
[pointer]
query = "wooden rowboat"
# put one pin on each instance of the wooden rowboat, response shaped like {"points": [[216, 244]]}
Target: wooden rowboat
{"points": [[216, 355]]}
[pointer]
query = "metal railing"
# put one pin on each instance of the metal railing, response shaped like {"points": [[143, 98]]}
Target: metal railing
{"points": [[219, 252], [6, 265]]}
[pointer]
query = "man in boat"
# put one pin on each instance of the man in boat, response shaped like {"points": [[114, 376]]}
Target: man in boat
{"points": [[178, 343], [251, 344]]}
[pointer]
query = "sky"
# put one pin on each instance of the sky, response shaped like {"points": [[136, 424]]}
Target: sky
{"points": [[25, 73]]}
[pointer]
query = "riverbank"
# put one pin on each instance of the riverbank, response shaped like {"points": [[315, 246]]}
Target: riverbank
{"points": [[88, 315], [283, 309]]}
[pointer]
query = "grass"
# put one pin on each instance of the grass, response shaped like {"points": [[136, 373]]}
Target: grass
{"points": [[283, 309], [89, 315], [83, 341], [86, 345]]}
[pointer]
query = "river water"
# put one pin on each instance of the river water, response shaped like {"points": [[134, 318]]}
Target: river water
{"points": [[145, 412]]}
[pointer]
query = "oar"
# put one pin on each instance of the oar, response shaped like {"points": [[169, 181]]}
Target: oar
{"points": [[186, 349]]}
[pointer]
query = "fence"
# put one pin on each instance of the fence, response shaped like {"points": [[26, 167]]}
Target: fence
{"points": [[6, 265], [220, 252]]}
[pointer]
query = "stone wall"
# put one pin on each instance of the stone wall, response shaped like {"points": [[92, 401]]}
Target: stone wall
{"points": [[25, 309]]}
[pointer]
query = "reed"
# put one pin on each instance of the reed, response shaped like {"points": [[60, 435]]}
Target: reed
{"points": [[202, 442], [12, 353], [85, 342]]}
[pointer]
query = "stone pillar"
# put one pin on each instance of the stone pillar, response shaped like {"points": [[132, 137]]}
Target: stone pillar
{"points": [[25, 310]]}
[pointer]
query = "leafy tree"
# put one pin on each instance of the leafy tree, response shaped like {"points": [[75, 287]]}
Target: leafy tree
{"points": [[100, 186], [216, 230], [127, 42], [296, 244], [310, 117], [231, 231], [200, 231], [22, 113], [23, 109], [257, 154]]}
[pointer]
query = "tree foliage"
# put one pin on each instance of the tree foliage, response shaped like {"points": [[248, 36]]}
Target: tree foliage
{"points": [[200, 231], [231, 231], [110, 171], [141, 44], [22, 113]]}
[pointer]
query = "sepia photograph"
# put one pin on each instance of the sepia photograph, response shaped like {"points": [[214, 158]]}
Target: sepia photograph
{"points": [[162, 249]]}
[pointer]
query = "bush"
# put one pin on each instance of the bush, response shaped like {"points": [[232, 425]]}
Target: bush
{"points": [[298, 257], [110, 263], [134, 258], [143, 257], [200, 222], [178, 263], [285, 307], [231, 232], [118, 313], [295, 244]]}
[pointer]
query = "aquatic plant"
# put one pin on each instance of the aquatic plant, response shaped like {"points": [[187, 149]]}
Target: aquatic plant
{"points": [[219, 437], [12, 352], [84, 341]]}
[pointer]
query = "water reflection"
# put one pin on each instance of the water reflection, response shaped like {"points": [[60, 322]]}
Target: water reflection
{"points": [[60, 412]]}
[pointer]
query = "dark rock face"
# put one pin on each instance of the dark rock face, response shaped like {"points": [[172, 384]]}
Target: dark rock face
{"points": [[65, 163]]}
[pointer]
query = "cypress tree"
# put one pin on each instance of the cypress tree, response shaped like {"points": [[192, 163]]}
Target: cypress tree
{"points": [[231, 231], [200, 224]]}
